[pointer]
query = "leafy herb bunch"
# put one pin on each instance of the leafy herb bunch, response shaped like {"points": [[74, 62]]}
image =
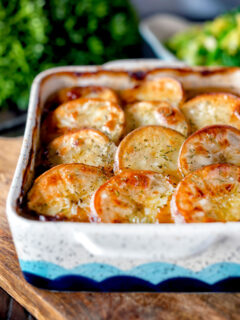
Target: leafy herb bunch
{"points": [[39, 34]]}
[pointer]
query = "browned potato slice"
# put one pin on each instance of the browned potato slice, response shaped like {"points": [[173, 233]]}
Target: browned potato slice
{"points": [[150, 148], [160, 113], [163, 89], [134, 197], [213, 144], [105, 116], [64, 191], [212, 108], [72, 93], [88, 146], [210, 194]]}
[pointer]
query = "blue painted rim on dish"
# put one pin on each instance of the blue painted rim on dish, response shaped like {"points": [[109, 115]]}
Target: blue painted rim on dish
{"points": [[155, 277]]}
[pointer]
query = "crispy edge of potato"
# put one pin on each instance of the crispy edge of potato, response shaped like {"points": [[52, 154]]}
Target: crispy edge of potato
{"points": [[95, 208], [129, 95], [199, 132], [233, 102], [177, 214], [50, 128], [41, 179], [75, 92]]}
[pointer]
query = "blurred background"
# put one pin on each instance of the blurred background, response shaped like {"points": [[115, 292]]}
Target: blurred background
{"points": [[40, 34], [192, 9]]}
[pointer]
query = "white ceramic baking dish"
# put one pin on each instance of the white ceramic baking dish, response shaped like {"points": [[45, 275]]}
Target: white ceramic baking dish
{"points": [[112, 257]]}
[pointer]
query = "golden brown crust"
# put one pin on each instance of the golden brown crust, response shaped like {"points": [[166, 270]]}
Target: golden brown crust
{"points": [[64, 191], [87, 146], [210, 145], [212, 108], [153, 148], [162, 89], [161, 113], [210, 194], [105, 116], [134, 197], [73, 93]]}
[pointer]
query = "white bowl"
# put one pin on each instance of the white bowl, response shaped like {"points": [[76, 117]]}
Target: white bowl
{"points": [[158, 28], [81, 256]]}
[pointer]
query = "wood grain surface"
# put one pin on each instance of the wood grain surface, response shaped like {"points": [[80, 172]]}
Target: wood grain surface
{"points": [[55, 305], [10, 309]]}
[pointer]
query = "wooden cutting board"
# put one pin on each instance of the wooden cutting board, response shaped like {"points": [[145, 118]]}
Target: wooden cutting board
{"points": [[53, 305]]}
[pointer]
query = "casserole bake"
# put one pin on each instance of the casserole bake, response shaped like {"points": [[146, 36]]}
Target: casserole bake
{"points": [[94, 253]]}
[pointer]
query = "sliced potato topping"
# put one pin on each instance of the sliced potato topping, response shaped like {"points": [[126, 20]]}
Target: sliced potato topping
{"points": [[73, 93], [163, 89], [105, 116], [210, 194], [85, 123], [150, 148], [161, 113], [134, 197], [212, 108], [64, 191], [213, 144], [88, 146]]}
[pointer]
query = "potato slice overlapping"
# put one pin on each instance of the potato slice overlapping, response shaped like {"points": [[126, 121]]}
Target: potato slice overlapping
{"points": [[161, 113], [87, 146], [152, 148], [134, 197], [65, 190], [209, 194], [73, 93], [210, 145], [102, 115], [162, 89], [212, 108]]}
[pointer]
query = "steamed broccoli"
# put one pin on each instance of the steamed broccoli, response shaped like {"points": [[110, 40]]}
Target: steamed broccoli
{"points": [[217, 43], [38, 34]]}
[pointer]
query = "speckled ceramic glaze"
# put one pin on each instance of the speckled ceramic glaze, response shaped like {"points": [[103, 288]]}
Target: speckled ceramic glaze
{"points": [[106, 257]]}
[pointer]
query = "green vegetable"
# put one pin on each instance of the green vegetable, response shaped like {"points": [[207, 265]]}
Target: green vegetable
{"points": [[217, 43], [39, 34]]}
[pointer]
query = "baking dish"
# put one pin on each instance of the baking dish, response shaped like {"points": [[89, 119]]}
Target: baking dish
{"points": [[121, 257]]}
